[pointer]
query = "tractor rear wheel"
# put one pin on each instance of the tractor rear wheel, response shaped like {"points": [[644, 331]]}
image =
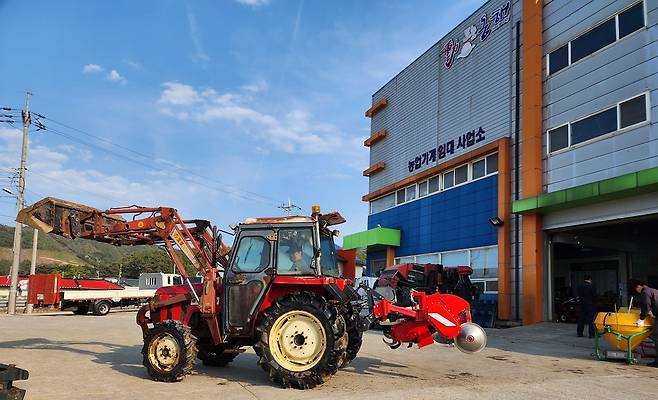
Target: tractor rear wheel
{"points": [[301, 341], [355, 340], [169, 351], [215, 356], [354, 336]]}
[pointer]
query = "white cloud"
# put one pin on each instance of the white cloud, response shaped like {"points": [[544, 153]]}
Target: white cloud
{"points": [[63, 172], [178, 94], [200, 56], [114, 76], [259, 85], [254, 3], [134, 65], [294, 132], [92, 69]]}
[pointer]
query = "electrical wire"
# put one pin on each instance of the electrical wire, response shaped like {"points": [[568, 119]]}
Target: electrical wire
{"points": [[227, 189], [151, 157], [151, 167]]}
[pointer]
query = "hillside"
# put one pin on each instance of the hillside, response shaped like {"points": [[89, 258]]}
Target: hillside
{"points": [[81, 257], [62, 250]]}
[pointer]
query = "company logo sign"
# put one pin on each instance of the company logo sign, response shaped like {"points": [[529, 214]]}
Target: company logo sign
{"points": [[456, 48]]}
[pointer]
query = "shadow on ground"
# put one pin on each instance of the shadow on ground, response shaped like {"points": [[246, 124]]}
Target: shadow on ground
{"points": [[128, 360], [124, 359]]}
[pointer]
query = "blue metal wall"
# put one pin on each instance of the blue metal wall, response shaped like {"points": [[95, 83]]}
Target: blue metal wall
{"points": [[454, 219]]}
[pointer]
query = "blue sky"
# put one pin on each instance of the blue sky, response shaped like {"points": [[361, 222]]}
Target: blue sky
{"points": [[222, 109]]}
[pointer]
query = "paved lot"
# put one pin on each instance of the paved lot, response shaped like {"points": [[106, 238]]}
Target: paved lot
{"points": [[89, 357]]}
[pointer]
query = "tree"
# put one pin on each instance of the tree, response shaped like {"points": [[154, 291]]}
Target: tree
{"points": [[146, 261]]}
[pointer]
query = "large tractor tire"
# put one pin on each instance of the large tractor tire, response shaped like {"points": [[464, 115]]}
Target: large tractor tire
{"points": [[301, 341], [102, 307], [215, 356], [355, 340], [354, 336], [169, 351]]}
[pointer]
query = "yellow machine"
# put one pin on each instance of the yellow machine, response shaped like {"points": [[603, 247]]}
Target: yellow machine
{"points": [[620, 329]]}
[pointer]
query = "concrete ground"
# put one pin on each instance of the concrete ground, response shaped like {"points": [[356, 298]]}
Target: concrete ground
{"points": [[89, 357]]}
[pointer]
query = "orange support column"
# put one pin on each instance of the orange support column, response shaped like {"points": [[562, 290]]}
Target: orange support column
{"points": [[504, 250], [531, 160], [390, 255]]}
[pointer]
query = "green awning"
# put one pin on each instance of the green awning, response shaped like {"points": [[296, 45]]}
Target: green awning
{"points": [[635, 183], [372, 237]]}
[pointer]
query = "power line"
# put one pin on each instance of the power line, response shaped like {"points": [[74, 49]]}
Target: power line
{"points": [[235, 192], [149, 156]]}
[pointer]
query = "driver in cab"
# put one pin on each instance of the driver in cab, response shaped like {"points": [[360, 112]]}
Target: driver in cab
{"points": [[301, 263]]}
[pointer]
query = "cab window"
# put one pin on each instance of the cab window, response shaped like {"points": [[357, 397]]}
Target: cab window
{"points": [[328, 258], [253, 254], [295, 252]]}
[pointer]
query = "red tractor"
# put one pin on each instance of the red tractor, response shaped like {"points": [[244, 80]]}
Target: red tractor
{"points": [[277, 289]]}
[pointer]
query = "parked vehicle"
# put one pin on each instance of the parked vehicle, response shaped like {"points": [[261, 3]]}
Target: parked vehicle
{"points": [[94, 295]]}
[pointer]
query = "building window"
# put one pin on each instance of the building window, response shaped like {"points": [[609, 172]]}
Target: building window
{"points": [[461, 174], [479, 168], [448, 179], [411, 193], [594, 40], [376, 266], [434, 184], [422, 189], [594, 126], [382, 203], [492, 164], [558, 59], [455, 258], [611, 30], [631, 20], [401, 196], [406, 260], [428, 259], [633, 111], [625, 114], [558, 138], [483, 260]]}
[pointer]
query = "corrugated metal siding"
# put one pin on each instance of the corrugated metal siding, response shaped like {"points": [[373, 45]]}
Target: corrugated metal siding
{"points": [[457, 218], [622, 70], [474, 93], [409, 119]]}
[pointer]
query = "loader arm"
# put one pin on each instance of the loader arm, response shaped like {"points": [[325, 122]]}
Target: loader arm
{"points": [[135, 225]]}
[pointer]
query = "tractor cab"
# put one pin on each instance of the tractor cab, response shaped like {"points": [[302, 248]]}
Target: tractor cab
{"points": [[290, 249]]}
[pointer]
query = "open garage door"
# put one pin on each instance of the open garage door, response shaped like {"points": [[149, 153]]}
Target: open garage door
{"points": [[611, 252]]}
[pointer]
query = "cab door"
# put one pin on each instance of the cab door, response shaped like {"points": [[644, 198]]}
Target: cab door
{"points": [[246, 279]]}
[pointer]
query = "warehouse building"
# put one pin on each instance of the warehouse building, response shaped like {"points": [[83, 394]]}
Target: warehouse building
{"points": [[523, 144]]}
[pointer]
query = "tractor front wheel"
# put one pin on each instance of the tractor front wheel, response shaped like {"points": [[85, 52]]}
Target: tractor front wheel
{"points": [[302, 341], [169, 351]]}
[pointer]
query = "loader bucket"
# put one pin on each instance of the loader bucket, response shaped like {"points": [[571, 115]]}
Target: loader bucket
{"points": [[619, 328], [62, 217]]}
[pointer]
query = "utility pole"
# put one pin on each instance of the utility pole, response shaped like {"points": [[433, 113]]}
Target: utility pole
{"points": [[11, 308], [33, 264]]}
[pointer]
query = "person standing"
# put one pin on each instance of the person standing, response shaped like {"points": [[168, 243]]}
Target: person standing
{"points": [[648, 305], [586, 293]]}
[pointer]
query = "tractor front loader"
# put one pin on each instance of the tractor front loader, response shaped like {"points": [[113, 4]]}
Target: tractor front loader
{"points": [[277, 289]]}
